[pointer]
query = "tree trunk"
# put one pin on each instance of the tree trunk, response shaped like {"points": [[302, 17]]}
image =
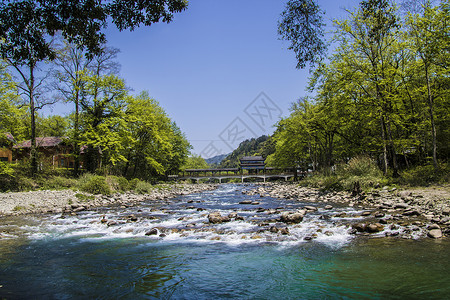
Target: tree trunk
{"points": [[33, 151], [76, 145], [383, 136], [392, 148], [433, 125]]}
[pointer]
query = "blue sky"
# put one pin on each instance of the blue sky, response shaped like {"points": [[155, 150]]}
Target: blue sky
{"points": [[219, 69]]}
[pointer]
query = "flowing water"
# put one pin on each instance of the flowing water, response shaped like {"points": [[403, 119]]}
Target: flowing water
{"points": [[186, 257]]}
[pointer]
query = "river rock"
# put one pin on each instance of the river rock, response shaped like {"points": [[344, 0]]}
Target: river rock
{"points": [[79, 208], [433, 226], [217, 218], [292, 217], [328, 207], [435, 233], [132, 218], [310, 208], [284, 231], [360, 227], [401, 206], [246, 202], [152, 231], [374, 228], [111, 223]]}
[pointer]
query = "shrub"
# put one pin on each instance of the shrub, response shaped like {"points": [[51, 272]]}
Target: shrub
{"points": [[361, 166], [94, 184], [133, 183], [144, 187], [117, 184]]}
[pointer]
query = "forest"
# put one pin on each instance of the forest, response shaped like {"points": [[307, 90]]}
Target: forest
{"points": [[381, 93]]}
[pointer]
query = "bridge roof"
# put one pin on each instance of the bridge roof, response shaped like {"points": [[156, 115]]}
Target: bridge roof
{"points": [[252, 158], [212, 170]]}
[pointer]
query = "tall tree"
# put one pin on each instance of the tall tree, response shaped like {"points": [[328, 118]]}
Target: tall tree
{"points": [[72, 64], [103, 102], [302, 25], [368, 39], [427, 41]]}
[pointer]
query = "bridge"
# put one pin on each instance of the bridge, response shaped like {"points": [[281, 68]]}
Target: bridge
{"points": [[236, 173]]}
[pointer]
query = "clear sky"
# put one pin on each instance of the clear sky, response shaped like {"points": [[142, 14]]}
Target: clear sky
{"points": [[218, 70]]}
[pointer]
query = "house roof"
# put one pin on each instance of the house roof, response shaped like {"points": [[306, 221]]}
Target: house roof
{"points": [[51, 141], [9, 137]]}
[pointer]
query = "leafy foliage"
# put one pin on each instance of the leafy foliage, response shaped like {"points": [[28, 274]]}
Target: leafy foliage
{"points": [[302, 25], [383, 94], [94, 184], [25, 25]]}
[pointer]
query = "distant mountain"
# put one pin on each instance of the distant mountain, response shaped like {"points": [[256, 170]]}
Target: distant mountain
{"points": [[216, 160], [263, 146]]}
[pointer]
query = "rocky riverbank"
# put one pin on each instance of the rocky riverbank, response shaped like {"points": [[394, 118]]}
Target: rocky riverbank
{"points": [[71, 202], [404, 212]]}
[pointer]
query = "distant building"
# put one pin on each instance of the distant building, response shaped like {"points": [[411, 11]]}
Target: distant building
{"points": [[7, 142], [252, 163]]}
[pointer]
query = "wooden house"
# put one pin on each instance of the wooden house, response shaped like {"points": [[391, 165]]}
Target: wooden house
{"points": [[53, 150], [7, 142]]}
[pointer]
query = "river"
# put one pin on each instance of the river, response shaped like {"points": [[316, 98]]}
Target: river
{"points": [[185, 257]]}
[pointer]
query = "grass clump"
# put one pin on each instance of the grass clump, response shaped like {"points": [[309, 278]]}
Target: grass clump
{"points": [[56, 182], [83, 197], [19, 208]]}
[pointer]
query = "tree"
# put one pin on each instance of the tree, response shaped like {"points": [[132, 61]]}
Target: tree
{"points": [[426, 33], [53, 126], [302, 25], [13, 117], [367, 40], [32, 88], [195, 162], [157, 146], [103, 101], [72, 64]]}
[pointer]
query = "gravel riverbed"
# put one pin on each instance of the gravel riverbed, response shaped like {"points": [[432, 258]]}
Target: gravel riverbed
{"points": [[69, 201]]}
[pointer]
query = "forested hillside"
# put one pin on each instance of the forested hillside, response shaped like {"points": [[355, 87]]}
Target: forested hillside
{"points": [[259, 146]]}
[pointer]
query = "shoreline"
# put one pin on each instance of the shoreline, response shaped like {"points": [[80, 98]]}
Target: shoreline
{"points": [[403, 212], [424, 209], [70, 201]]}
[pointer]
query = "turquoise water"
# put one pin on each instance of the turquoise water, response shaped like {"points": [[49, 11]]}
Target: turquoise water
{"points": [[54, 258]]}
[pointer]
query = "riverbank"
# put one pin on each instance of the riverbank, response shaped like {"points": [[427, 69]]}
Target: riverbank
{"points": [[413, 210], [71, 201]]}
